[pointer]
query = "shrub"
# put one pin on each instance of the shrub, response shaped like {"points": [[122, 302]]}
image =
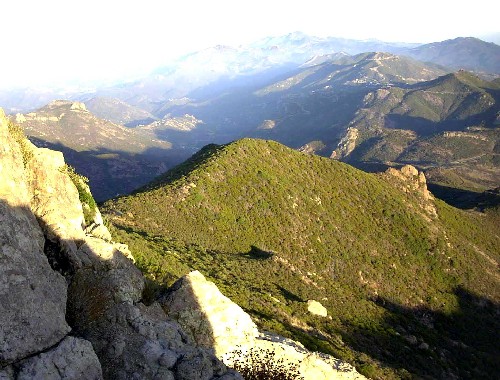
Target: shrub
{"points": [[18, 135], [260, 364], [88, 203]]}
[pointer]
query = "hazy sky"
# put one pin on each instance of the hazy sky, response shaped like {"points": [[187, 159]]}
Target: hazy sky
{"points": [[55, 41]]}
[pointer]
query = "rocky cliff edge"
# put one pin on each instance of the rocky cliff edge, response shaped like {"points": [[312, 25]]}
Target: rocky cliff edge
{"points": [[70, 298]]}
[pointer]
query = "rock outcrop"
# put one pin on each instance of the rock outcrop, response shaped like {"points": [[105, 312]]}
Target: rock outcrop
{"points": [[61, 274], [73, 358], [208, 317], [32, 295], [410, 180], [214, 321], [347, 144]]}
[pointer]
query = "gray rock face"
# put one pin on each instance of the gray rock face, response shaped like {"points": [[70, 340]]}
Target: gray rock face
{"points": [[32, 295], [72, 359], [7, 373], [135, 341]]}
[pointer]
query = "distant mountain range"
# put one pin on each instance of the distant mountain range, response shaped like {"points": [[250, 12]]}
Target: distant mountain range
{"points": [[219, 66], [367, 102], [460, 53], [450, 122]]}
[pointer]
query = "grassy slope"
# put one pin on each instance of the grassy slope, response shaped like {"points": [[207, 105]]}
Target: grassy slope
{"points": [[273, 228]]}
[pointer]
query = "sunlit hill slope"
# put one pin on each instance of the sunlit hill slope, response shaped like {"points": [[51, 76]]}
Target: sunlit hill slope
{"points": [[402, 275]]}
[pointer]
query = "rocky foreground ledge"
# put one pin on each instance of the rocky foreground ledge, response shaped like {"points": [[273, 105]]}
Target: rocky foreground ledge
{"points": [[71, 298]]}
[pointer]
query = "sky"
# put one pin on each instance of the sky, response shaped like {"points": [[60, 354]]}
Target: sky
{"points": [[59, 42]]}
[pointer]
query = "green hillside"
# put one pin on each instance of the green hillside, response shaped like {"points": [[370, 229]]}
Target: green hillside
{"points": [[450, 102], [448, 123], [403, 277]]}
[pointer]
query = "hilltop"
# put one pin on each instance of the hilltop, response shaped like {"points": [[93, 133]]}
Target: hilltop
{"points": [[401, 275], [72, 125], [449, 123], [117, 159], [460, 53]]}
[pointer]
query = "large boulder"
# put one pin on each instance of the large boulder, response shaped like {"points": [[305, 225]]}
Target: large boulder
{"points": [[32, 295], [208, 317], [212, 320], [316, 308], [135, 341]]}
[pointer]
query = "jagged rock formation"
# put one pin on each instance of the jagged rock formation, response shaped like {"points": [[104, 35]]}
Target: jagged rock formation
{"points": [[212, 320], [70, 302], [346, 144], [32, 296], [410, 180]]}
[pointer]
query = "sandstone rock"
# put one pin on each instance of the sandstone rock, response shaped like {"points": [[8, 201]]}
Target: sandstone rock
{"points": [[32, 295], [346, 144], [79, 106], [316, 308], [310, 365], [99, 231], [411, 180], [20, 118], [55, 202], [72, 359], [99, 254], [208, 317], [409, 171]]}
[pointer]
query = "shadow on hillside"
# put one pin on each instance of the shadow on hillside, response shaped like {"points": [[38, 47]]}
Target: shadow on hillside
{"points": [[256, 253], [430, 344], [289, 295], [465, 199], [426, 127]]}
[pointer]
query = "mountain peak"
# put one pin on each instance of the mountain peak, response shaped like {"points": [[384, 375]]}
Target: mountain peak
{"points": [[66, 103], [463, 78]]}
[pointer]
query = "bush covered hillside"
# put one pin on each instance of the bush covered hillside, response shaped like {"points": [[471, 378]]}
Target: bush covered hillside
{"points": [[411, 284]]}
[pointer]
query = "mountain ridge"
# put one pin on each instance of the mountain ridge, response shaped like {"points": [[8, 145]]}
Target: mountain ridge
{"points": [[274, 228]]}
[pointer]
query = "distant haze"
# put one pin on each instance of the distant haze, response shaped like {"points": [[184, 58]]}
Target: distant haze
{"points": [[58, 43]]}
